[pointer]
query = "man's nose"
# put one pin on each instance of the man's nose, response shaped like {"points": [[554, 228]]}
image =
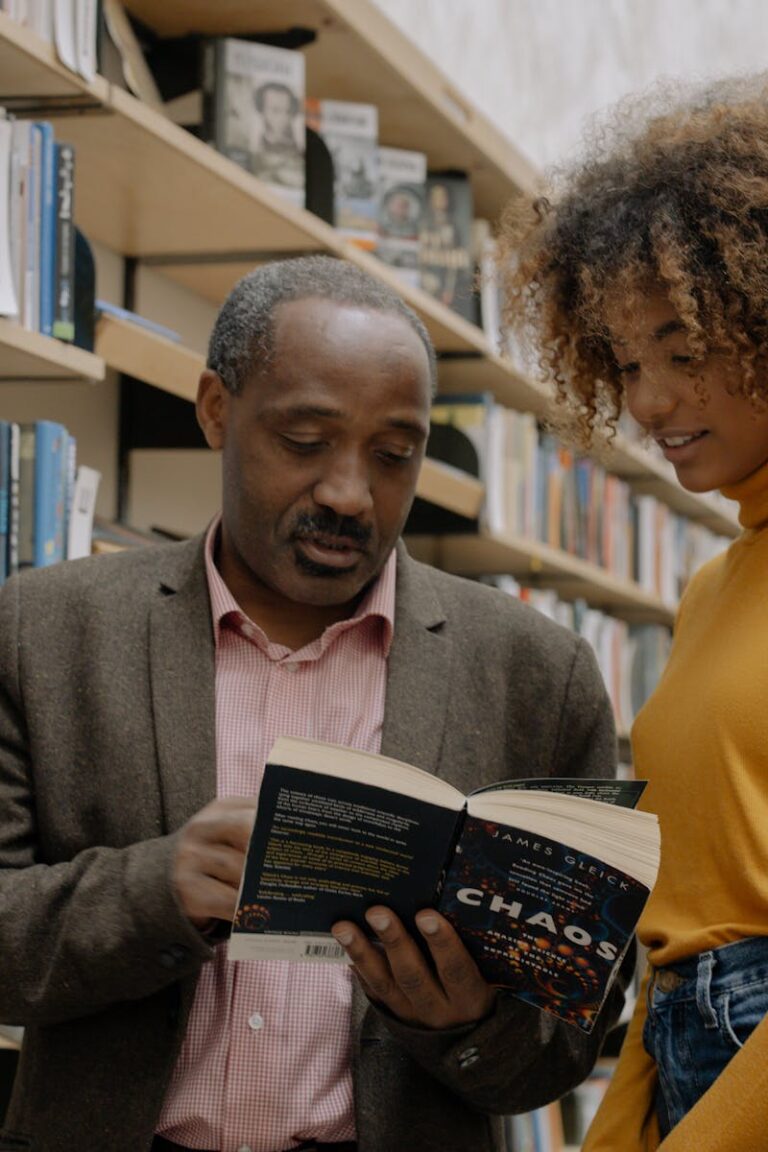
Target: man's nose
{"points": [[345, 486]]}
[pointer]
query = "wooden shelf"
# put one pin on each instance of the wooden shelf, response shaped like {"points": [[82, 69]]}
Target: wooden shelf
{"points": [[360, 55], [155, 360], [31, 356], [450, 488], [571, 577]]}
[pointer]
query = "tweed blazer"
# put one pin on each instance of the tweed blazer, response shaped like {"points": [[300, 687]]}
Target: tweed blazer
{"points": [[107, 747]]}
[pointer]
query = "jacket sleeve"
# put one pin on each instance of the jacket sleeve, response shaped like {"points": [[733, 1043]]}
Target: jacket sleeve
{"points": [[83, 934], [520, 1058]]}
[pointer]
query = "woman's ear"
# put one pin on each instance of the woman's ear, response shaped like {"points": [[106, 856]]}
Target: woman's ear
{"points": [[212, 408]]}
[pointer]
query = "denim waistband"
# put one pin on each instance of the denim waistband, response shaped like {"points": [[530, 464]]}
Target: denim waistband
{"points": [[723, 968]]}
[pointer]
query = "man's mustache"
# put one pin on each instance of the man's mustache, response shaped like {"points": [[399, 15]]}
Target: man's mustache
{"points": [[322, 524]]}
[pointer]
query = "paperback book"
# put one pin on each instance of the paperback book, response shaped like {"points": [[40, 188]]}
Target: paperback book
{"points": [[544, 879], [351, 133], [253, 110], [402, 182]]}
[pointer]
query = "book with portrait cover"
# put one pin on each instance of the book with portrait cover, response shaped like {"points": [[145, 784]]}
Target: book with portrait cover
{"points": [[402, 184], [253, 110], [544, 879], [446, 268]]}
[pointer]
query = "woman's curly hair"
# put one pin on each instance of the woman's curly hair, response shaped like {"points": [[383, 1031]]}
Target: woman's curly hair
{"points": [[675, 197]]}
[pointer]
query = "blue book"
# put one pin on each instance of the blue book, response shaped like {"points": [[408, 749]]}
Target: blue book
{"points": [[51, 453], [47, 225], [5, 483]]}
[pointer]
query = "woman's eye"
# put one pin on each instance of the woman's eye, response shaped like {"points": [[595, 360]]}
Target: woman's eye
{"points": [[628, 369]]}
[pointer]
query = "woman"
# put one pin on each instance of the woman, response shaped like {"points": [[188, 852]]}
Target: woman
{"points": [[643, 282]]}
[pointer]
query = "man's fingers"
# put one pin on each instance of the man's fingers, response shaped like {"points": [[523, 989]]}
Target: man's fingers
{"points": [[457, 971]]}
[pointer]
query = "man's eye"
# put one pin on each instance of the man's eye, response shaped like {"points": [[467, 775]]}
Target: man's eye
{"points": [[301, 446], [395, 455]]}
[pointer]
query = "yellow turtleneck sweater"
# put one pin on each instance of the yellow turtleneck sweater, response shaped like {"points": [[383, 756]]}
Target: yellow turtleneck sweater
{"points": [[702, 743]]}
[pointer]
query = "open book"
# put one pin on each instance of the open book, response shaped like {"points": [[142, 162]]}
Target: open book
{"points": [[544, 879]]}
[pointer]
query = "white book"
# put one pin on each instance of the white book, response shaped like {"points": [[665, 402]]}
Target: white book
{"points": [[81, 513], [9, 305], [86, 30], [40, 18], [64, 36]]}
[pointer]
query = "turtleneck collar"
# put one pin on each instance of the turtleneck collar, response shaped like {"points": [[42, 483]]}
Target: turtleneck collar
{"points": [[752, 495]]}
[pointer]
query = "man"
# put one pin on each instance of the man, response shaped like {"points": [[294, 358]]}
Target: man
{"points": [[139, 696]]}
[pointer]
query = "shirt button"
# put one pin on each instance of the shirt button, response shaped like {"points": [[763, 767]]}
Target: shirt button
{"points": [[256, 1021]]}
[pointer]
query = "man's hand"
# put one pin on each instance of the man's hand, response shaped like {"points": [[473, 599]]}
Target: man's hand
{"points": [[209, 859], [398, 976]]}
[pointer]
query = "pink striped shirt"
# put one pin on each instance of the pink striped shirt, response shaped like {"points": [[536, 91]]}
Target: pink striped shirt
{"points": [[265, 1061]]}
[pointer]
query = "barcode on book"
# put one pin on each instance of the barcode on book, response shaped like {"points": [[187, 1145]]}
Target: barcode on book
{"points": [[323, 951]]}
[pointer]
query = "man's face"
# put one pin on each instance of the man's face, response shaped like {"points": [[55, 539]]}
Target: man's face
{"points": [[321, 454], [276, 110]]}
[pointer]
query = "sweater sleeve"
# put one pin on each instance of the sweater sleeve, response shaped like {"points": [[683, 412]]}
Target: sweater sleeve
{"points": [[626, 1121], [734, 1112]]}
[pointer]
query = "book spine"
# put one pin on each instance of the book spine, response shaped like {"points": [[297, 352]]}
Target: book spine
{"points": [[13, 500], [5, 475], [69, 465], [47, 225], [64, 273], [210, 58], [50, 473], [26, 552], [32, 261]]}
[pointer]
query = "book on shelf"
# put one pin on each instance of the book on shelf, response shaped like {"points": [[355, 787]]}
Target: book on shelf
{"points": [[52, 463], [459, 430], [253, 110], [544, 879], [9, 305], [445, 259], [63, 326], [105, 308], [402, 186], [82, 507], [351, 133]]}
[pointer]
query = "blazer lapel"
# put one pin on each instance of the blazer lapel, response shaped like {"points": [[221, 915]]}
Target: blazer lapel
{"points": [[418, 670], [182, 674]]}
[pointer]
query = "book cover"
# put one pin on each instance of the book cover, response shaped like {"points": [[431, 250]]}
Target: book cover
{"points": [[64, 262], [351, 134], [543, 879], [445, 260], [253, 110], [402, 187]]}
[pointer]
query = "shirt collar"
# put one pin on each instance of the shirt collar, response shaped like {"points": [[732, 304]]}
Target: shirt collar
{"points": [[378, 602]]}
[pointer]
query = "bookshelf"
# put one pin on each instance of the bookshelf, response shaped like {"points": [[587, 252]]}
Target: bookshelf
{"points": [[150, 191], [203, 221]]}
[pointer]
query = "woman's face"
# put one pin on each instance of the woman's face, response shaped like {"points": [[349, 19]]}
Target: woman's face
{"points": [[712, 437]]}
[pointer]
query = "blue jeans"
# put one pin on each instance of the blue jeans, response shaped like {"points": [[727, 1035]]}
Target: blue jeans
{"points": [[700, 1013]]}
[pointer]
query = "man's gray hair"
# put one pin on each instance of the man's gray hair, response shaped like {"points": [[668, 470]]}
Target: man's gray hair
{"points": [[242, 341]]}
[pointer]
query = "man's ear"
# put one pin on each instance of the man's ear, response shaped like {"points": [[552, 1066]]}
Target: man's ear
{"points": [[212, 408]]}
